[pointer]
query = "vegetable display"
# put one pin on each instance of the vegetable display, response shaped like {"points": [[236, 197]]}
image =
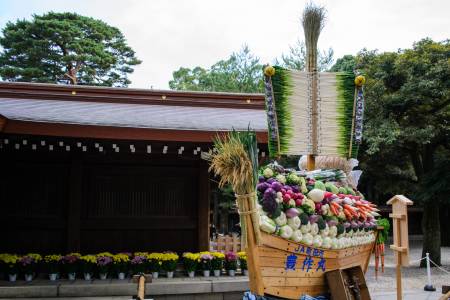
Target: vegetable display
{"points": [[324, 213]]}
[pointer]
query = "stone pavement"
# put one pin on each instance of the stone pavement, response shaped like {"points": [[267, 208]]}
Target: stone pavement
{"points": [[407, 295]]}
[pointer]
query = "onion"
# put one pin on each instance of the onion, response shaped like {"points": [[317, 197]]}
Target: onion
{"points": [[292, 212], [332, 223], [313, 219]]}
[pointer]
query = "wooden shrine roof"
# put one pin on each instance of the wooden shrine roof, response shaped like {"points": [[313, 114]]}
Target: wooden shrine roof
{"points": [[123, 113]]}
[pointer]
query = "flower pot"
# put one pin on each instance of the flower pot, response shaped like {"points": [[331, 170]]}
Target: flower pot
{"points": [[206, 273], [216, 273], [121, 276], [170, 274], [245, 272], [231, 272], [87, 276], [28, 277], [12, 277], [103, 276], [53, 276], [155, 275], [191, 274], [71, 276]]}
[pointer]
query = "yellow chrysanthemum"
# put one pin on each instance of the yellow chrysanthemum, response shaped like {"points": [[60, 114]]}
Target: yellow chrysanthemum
{"points": [[9, 258], [121, 258], [192, 256], [169, 256], [52, 258], [36, 257], [144, 254], [218, 255], [242, 255], [108, 254], [89, 258]]}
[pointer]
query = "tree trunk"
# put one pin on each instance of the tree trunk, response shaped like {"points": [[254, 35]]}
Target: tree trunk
{"points": [[431, 233]]}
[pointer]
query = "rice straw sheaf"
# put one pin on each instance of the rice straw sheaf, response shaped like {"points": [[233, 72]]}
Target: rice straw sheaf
{"points": [[235, 162]]}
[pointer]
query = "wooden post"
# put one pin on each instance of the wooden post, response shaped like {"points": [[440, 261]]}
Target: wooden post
{"points": [[255, 278], [203, 207], [399, 217]]}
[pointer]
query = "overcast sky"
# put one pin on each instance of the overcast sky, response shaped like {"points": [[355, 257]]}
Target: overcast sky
{"points": [[168, 34]]}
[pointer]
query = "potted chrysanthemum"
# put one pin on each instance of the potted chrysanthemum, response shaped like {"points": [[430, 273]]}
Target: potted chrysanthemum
{"points": [[217, 263], [138, 264], [243, 262], [70, 264], [28, 264], [231, 263], [104, 261], [52, 264], [154, 262], [87, 264], [190, 262], [206, 263], [121, 263], [10, 264], [169, 263]]}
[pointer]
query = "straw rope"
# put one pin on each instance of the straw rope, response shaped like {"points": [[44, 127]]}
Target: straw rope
{"points": [[246, 204]]}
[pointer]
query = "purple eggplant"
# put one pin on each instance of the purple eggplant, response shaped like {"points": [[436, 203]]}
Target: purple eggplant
{"points": [[295, 188], [261, 179]]}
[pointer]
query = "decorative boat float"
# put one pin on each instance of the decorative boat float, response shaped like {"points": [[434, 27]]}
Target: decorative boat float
{"points": [[308, 232], [297, 224]]}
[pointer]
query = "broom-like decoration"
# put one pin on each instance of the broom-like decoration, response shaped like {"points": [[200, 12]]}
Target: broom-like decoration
{"points": [[235, 161], [313, 20]]}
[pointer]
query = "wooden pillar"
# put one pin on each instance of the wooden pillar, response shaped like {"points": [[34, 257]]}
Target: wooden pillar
{"points": [[74, 205], [3, 122], [203, 207]]}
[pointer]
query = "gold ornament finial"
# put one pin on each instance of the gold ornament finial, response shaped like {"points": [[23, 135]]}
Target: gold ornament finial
{"points": [[269, 71], [360, 80]]}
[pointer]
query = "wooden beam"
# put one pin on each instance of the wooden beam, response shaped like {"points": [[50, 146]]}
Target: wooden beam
{"points": [[203, 207], [130, 96], [109, 132]]}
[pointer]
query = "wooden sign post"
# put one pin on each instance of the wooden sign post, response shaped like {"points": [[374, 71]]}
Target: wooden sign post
{"points": [[400, 227]]}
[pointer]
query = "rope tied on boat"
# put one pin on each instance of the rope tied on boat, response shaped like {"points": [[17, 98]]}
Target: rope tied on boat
{"points": [[246, 204]]}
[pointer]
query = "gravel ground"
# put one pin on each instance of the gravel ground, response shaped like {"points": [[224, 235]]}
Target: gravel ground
{"points": [[413, 277]]}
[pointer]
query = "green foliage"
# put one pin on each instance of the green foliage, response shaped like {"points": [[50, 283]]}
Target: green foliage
{"points": [[65, 48], [383, 234], [241, 72], [347, 63], [407, 117], [295, 59]]}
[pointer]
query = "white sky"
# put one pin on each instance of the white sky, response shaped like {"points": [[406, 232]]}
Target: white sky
{"points": [[168, 34]]}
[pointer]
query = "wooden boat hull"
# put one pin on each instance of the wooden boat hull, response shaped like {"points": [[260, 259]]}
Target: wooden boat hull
{"points": [[289, 270]]}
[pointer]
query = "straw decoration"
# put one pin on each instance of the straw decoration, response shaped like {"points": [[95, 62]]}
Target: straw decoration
{"points": [[235, 161]]}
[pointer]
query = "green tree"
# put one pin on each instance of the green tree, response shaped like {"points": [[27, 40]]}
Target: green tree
{"points": [[295, 59], [347, 63], [241, 72], [65, 48], [407, 131]]}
